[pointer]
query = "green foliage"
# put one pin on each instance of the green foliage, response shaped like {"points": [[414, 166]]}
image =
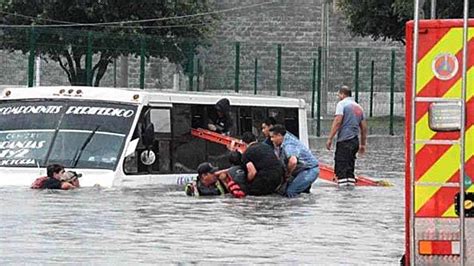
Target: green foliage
{"points": [[165, 38], [385, 19]]}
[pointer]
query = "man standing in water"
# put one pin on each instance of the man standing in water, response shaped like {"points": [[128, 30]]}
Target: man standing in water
{"points": [[348, 122]]}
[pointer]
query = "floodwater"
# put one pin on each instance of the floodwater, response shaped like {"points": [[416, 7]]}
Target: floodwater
{"points": [[330, 226]]}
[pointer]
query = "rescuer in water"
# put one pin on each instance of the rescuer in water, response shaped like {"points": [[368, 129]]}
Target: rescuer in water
{"points": [[57, 178], [212, 182], [301, 167]]}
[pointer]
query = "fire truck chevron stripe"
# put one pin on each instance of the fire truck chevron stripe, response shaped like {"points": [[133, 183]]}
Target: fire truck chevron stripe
{"points": [[451, 42], [423, 131], [440, 87], [427, 155], [443, 199], [441, 171], [429, 42]]}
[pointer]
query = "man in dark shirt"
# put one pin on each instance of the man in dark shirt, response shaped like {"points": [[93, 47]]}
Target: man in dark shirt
{"points": [[55, 173], [264, 170], [267, 124], [220, 120]]}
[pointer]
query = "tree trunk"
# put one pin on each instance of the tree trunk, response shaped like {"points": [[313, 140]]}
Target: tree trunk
{"points": [[79, 79]]}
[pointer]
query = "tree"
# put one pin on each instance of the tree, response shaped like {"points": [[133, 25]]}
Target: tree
{"points": [[385, 19], [175, 39]]}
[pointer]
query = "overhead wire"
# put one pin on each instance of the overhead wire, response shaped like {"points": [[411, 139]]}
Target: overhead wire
{"points": [[121, 23]]}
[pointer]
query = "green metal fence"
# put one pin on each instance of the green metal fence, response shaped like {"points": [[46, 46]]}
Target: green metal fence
{"points": [[290, 69]]}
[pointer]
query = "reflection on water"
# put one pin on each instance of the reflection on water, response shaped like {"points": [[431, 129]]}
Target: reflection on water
{"points": [[161, 225]]}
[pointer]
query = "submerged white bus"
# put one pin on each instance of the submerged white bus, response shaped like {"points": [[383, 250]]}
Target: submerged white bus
{"points": [[124, 137]]}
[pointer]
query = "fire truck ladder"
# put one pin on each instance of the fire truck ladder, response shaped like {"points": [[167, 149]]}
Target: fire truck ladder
{"points": [[461, 141]]}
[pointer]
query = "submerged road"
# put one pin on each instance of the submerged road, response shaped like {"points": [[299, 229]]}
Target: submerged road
{"points": [[330, 226]]}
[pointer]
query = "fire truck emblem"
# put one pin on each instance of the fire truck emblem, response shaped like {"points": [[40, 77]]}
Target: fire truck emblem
{"points": [[445, 66]]}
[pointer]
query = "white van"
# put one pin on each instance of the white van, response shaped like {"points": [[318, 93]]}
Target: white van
{"points": [[123, 137]]}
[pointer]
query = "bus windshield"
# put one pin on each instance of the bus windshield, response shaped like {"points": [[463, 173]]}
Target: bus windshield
{"points": [[83, 134]]}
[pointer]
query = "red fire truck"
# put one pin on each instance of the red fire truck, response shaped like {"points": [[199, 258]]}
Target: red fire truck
{"points": [[439, 142]]}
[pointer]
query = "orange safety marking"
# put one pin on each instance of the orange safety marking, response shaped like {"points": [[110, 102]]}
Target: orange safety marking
{"points": [[437, 247], [425, 247]]}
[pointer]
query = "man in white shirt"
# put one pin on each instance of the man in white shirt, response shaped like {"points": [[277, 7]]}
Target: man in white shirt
{"points": [[349, 122]]}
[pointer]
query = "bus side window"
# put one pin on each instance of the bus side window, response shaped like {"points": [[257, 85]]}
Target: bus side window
{"points": [[286, 116], [198, 116], [259, 114], [245, 120], [291, 121]]}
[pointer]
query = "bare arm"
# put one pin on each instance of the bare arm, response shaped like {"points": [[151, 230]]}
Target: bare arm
{"points": [[292, 161], [363, 136], [336, 124], [251, 171], [67, 186]]}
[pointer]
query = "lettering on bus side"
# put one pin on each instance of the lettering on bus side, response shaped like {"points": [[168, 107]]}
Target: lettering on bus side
{"points": [[16, 152], [106, 111], [30, 109], [75, 110]]}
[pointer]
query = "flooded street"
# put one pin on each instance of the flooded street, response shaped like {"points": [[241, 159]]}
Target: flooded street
{"points": [[330, 226]]}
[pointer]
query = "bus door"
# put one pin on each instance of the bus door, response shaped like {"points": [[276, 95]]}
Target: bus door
{"points": [[153, 152]]}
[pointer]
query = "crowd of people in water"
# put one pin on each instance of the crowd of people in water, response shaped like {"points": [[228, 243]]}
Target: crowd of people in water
{"points": [[281, 164]]}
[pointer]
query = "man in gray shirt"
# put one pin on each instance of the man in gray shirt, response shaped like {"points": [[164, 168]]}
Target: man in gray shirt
{"points": [[348, 122]]}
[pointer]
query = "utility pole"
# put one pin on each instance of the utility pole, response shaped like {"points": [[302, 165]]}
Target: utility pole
{"points": [[325, 45]]}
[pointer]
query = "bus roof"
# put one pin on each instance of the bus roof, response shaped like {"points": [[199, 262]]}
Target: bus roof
{"points": [[147, 96]]}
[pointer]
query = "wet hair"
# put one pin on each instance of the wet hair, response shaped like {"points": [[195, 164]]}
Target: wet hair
{"points": [[269, 121], [345, 90], [235, 158], [53, 168], [248, 137], [278, 129]]}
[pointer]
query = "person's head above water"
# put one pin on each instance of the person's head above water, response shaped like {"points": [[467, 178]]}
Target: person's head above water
{"points": [[55, 171], [206, 173]]}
